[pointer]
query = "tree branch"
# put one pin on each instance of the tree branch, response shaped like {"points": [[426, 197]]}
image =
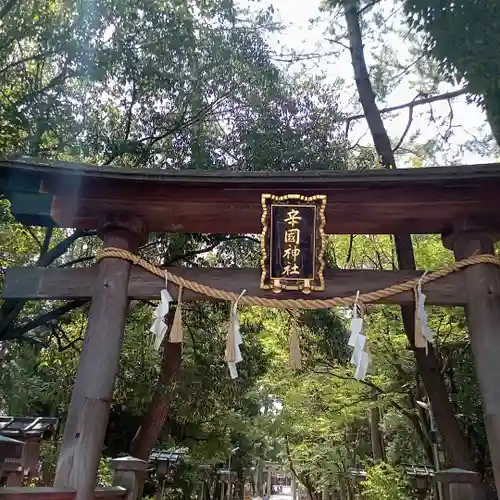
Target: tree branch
{"points": [[44, 318], [349, 251], [11, 308], [46, 241], [406, 130], [410, 415], [129, 112], [34, 236], [289, 457], [7, 8], [370, 384], [70, 344], [62, 247], [412, 104], [209, 248], [368, 6], [78, 261], [12, 65], [338, 42], [292, 58]]}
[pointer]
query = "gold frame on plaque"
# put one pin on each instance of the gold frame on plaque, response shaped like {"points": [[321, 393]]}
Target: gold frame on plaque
{"points": [[296, 284]]}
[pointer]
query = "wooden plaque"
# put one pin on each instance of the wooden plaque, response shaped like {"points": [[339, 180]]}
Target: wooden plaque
{"points": [[292, 242]]}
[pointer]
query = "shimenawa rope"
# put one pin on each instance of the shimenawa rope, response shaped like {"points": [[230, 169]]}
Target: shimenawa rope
{"points": [[117, 253]]}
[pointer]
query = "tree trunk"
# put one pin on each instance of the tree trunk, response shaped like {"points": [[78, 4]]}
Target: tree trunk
{"points": [[428, 364], [218, 490], [154, 420], [421, 425], [304, 479], [492, 107]]}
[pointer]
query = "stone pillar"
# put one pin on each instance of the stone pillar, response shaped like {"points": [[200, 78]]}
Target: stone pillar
{"points": [[129, 474], [95, 378], [460, 484], [343, 494], [14, 473], [10, 453], [269, 480], [259, 483], [324, 493], [30, 456]]}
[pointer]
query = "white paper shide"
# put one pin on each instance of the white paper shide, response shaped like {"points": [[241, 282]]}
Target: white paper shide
{"points": [[159, 327], [422, 329], [234, 340], [357, 340]]}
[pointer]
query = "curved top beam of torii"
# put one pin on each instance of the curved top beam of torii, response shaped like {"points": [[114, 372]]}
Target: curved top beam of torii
{"points": [[423, 200]]}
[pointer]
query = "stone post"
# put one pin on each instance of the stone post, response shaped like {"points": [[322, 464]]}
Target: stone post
{"points": [[129, 473]]}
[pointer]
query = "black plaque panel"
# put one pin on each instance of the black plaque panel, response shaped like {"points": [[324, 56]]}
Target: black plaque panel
{"points": [[284, 264], [293, 242]]}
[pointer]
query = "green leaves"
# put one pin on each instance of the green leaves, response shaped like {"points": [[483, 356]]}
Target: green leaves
{"points": [[156, 84], [384, 482], [462, 35]]}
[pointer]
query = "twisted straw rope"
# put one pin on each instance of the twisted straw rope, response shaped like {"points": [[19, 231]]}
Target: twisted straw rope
{"points": [[111, 252]]}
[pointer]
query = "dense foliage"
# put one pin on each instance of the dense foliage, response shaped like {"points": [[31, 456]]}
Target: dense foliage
{"points": [[462, 36], [384, 482], [162, 83]]}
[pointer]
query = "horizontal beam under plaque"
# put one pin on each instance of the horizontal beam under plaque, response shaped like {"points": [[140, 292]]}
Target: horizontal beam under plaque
{"points": [[78, 283]]}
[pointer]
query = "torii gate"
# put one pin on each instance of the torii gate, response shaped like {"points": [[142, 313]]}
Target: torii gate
{"points": [[460, 203]]}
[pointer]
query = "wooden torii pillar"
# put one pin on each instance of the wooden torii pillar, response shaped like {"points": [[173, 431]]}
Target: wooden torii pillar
{"points": [[482, 287], [87, 419]]}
